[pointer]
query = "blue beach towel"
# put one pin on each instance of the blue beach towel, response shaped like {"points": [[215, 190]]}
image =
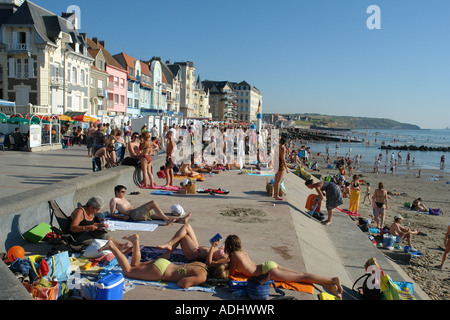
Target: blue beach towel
{"points": [[163, 192]]}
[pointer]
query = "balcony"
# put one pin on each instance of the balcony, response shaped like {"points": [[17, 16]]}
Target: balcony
{"points": [[19, 48]]}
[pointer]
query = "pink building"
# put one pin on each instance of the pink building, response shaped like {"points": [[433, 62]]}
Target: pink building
{"points": [[117, 83]]}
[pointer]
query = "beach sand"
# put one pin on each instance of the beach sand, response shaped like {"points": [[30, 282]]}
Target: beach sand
{"points": [[435, 193]]}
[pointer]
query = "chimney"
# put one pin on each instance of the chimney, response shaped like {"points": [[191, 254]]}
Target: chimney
{"points": [[95, 39], [102, 43]]}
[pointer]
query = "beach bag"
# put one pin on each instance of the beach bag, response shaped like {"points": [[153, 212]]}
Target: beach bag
{"points": [[161, 174], [366, 291], [56, 266], [260, 291], [371, 288], [434, 212], [392, 292], [42, 289]]}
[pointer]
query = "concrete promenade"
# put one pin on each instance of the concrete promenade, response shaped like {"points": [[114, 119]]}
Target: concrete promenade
{"points": [[282, 231]]}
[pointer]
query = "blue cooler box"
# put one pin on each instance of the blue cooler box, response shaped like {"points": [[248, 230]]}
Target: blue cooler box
{"points": [[110, 287]]}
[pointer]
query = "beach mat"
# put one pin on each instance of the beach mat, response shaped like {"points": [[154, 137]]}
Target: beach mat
{"points": [[149, 253], [179, 176], [350, 213], [300, 287], [163, 192], [155, 187], [149, 226]]}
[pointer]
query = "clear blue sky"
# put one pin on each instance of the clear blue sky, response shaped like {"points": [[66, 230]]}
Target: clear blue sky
{"points": [[315, 56]]}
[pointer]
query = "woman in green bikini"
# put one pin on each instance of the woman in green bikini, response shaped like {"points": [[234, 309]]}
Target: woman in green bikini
{"points": [[185, 276], [240, 262]]}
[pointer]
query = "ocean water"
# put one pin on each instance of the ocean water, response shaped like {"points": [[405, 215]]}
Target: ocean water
{"points": [[369, 152]]}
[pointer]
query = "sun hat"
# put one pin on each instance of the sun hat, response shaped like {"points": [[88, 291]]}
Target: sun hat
{"points": [[177, 210], [398, 217]]}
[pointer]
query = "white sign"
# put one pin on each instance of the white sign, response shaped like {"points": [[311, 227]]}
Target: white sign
{"points": [[35, 136]]}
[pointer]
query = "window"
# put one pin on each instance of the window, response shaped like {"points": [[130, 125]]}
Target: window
{"points": [[92, 82], [132, 72], [116, 98], [122, 83], [74, 75], [82, 77], [22, 37], [122, 99], [116, 81], [100, 84], [26, 69]]}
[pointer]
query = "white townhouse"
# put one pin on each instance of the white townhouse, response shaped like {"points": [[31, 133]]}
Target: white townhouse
{"points": [[44, 62]]}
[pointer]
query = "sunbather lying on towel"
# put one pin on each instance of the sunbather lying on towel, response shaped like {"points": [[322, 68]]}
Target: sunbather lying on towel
{"points": [[241, 262], [185, 276], [186, 238], [418, 205]]}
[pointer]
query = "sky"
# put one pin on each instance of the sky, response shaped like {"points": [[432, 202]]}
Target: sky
{"points": [[305, 56]]}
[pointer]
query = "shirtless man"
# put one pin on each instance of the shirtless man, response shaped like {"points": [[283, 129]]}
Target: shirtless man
{"points": [[148, 211], [380, 203], [133, 146], [168, 167], [90, 139], [401, 232]]}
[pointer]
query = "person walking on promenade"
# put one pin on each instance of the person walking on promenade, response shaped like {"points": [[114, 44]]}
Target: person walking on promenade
{"points": [[281, 168], [380, 201], [240, 262], [90, 139], [333, 194], [355, 194], [99, 138]]}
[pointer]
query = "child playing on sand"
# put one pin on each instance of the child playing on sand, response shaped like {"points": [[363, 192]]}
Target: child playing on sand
{"points": [[240, 262], [367, 196]]}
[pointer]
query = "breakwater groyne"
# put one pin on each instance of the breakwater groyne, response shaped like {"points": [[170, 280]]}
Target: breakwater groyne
{"points": [[415, 148]]}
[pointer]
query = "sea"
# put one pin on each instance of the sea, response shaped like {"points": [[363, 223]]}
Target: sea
{"points": [[374, 139]]}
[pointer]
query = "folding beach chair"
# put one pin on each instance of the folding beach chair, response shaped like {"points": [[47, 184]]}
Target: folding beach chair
{"points": [[64, 226]]}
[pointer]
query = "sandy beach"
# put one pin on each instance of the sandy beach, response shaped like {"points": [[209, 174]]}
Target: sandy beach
{"points": [[406, 186]]}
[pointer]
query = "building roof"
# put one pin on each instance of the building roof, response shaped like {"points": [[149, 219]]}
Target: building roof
{"points": [[94, 44], [47, 24]]}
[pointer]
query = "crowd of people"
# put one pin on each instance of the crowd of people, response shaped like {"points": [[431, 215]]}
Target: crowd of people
{"points": [[212, 261]]}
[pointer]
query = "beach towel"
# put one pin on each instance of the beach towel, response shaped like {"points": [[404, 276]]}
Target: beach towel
{"points": [[300, 287], [354, 200], [170, 188], [311, 202], [179, 176], [149, 226], [163, 192], [350, 213], [149, 253], [262, 174]]}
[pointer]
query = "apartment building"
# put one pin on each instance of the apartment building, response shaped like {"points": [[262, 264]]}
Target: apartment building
{"points": [[108, 96], [222, 100], [44, 61], [172, 73], [248, 99]]}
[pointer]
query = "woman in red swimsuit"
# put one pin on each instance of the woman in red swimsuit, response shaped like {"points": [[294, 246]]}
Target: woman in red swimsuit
{"points": [[146, 148]]}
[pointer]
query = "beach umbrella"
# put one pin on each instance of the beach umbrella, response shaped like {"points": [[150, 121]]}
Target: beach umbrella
{"points": [[18, 120], [63, 117], [3, 118], [84, 118]]}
